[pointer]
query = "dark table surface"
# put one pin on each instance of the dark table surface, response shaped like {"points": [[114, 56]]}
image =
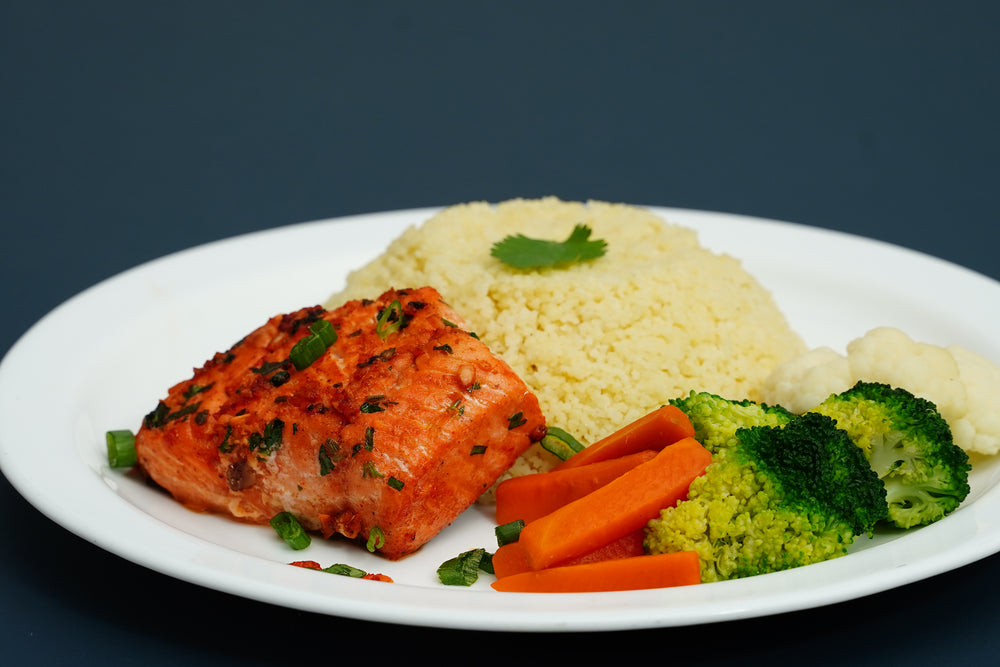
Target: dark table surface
{"points": [[131, 130]]}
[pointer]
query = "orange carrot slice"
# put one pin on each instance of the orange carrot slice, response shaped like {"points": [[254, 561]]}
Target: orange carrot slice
{"points": [[530, 496], [621, 506], [680, 568], [661, 427], [626, 546], [509, 559]]}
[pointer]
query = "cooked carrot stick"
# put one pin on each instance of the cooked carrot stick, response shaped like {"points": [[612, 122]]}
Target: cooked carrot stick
{"points": [[655, 430], [530, 496], [509, 559], [619, 507], [626, 546], [680, 568]]}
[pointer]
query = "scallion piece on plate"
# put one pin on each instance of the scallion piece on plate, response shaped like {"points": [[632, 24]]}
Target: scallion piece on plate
{"points": [[508, 532], [560, 443], [462, 570], [121, 448], [290, 530], [345, 570], [486, 563]]}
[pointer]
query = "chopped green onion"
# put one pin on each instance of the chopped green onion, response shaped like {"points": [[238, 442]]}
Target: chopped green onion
{"points": [[462, 570], [306, 351], [557, 432], [325, 331], [560, 443], [395, 483], [486, 563], [121, 448], [389, 320], [290, 530], [345, 570], [310, 348], [508, 532], [376, 539]]}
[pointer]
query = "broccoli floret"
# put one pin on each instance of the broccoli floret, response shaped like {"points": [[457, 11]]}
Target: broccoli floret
{"points": [[773, 498], [716, 419], [909, 445]]}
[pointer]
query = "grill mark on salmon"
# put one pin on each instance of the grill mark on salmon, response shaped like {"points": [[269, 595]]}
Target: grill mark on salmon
{"points": [[400, 431]]}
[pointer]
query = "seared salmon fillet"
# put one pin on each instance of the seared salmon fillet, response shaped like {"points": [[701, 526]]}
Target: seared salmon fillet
{"points": [[397, 427]]}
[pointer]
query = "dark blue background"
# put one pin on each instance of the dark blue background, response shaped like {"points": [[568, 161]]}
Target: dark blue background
{"points": [[132, 129]]}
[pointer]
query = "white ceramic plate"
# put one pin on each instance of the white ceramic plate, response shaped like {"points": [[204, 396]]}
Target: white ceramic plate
{"points": [[134, 335]]}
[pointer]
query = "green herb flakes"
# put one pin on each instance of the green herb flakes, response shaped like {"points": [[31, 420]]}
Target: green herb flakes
{"points": [[369, 470], [515, 420], [329, 455], [226, 446], [374, 404], [389, 320], [268, 441]]}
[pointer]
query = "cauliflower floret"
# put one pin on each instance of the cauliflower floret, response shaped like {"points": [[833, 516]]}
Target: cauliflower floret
{"points": [[978, 430], [964, 386], [888, 355], [805, 381]]}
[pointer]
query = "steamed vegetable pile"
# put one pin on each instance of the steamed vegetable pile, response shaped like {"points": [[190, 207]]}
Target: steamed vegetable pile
{"points": [[733, 489], [583, 521]]}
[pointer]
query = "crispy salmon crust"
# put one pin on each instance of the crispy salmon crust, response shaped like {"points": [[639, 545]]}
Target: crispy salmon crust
{"points": [[390, 434]]}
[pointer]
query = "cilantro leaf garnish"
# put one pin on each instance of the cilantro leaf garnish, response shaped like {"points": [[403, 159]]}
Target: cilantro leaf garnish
{"points": [[523, 252]]}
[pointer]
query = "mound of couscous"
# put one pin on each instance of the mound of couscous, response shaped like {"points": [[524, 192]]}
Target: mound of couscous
{"points": [[604, 341]]}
